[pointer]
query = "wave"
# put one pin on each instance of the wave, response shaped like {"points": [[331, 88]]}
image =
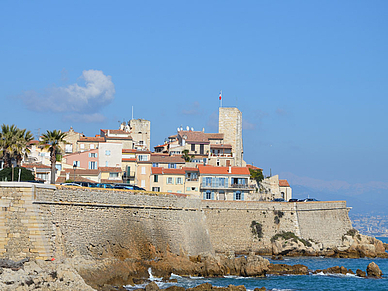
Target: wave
{"points": [[336, 275]]}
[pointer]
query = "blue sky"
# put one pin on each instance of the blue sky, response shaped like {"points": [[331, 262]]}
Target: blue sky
{"points": [[309, 77]]}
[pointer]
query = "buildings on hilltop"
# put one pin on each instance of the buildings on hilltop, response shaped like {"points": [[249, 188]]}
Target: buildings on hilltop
{"points": [[204, 165]]}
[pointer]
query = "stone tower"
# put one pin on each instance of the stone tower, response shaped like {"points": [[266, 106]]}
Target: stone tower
{"points": [[230, 124], [141, 133]]}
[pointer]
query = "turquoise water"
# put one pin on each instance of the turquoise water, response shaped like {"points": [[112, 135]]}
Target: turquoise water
{"points": [[306, 282]]}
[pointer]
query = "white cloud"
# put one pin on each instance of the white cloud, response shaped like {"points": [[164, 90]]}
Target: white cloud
{"points": [[85, 118], [97, 92]]}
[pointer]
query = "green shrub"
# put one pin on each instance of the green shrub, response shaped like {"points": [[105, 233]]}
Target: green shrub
{"points": [[257, 229], [290, 235]]}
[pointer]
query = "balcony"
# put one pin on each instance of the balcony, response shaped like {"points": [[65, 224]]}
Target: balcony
{"points": [[221, 155], [223, 186]]}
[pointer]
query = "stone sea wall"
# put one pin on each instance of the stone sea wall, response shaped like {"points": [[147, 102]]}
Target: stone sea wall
{"points": [[249, 226], [42, 222]]}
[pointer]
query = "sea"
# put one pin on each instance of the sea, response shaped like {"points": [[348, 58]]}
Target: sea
{"points": [[295, 282]]}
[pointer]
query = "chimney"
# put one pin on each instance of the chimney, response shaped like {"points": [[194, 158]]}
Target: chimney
{"points": [[230, 170]]}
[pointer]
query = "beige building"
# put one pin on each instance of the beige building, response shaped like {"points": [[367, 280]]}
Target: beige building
{"points": [[118, 136], [85, 143], [110, 154], [128, 166], [71, 139], [184, 180]]}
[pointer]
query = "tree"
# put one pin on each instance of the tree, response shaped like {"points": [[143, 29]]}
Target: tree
{"points": [[186, 156], [13, 144], [52, 139], [25, 175], [257, 175]]}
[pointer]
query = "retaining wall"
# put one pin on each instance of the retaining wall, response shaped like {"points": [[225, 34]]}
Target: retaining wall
{"points": [[43, 221]]}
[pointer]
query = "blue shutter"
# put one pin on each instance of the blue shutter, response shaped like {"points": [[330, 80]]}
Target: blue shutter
{"points": [[212, 195], [204, 195], [242, 195], [90, 164], [234, 195]]}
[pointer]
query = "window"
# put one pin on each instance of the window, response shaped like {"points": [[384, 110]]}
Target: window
{"points": [[142, 183], [106, 164], [82, 146], [218, 162], [156, 189], [156, 178], [193, 147], [68, 148], [143, 157], [113, 175], [170, 180], [155, 165], [77, 163], [59, 167], [172, 166], [107, 152], [141, 142], [178, 180], [42, 176], [143, 170], [92, 165], [92, 155], [208, 195], [92, 146], [238, 195]]}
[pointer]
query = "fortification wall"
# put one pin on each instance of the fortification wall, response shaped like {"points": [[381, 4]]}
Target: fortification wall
{"points": [[230, 223], [101, 223], [43, 222]]}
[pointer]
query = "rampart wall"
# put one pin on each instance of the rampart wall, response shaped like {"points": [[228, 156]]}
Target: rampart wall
{"points": [[43, 222]]}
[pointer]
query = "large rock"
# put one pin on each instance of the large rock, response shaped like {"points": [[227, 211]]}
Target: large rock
{"points": [[373, 270], [284, 269]]}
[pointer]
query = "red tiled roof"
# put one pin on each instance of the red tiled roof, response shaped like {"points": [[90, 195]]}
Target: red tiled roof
{"points": [[38, 166], [110, 169], [128, 151], [160, 146], [157, 158], [283, 183], [223, 170], [128, 160], [190, 169], [33, 142], [220, 146], [193, 136], [214, 135], [162, 171], [83, 172], [91, 139], [253, 167]]}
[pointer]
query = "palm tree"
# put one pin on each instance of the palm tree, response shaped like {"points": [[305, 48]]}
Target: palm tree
{"points": [[13, 144], [52, 139], [186, 156], [21, 145]]}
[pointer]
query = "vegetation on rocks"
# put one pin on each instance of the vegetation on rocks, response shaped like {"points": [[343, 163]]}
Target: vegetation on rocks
{"points": [[290, 235], [257, 229]]}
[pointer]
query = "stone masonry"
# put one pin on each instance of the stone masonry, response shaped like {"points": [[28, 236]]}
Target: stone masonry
{"points": [[41, 221]]}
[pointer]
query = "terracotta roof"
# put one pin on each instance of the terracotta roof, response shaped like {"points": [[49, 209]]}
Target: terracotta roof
{"points": [[253, 167], [283, 183], [220, 146], [161, 146], [82, 172], [128, 160], [110, 169], [190, 169], [223, 170], [155, 158], [91, 139], [163, 171], [33, 142], [214, 135], [128, 151], [193, 136], [38, 166]]}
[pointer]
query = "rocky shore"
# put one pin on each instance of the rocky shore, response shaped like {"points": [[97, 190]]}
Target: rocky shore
{"points": [[110, 274], [354, 245]]}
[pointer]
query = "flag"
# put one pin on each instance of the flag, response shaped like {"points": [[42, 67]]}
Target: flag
{"points": [[220, 95]]}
